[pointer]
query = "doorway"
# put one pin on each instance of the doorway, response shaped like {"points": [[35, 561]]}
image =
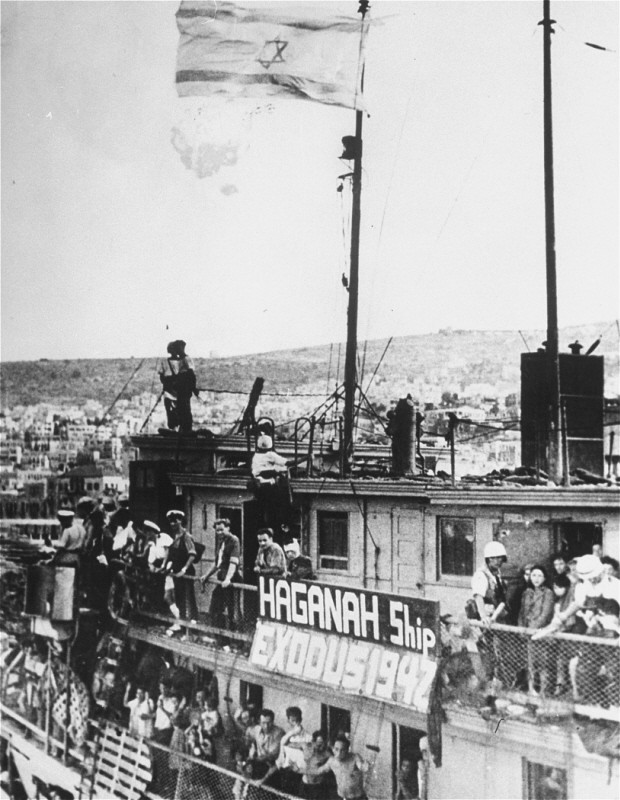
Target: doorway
{"points": [[406, 748]]}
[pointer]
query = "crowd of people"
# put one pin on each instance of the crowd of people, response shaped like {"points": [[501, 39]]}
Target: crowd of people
{"points": [[575, 596], [246, 740], [124, 562]]}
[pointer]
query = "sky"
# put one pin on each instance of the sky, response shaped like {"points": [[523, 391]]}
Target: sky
{"points": [[121, 229]]}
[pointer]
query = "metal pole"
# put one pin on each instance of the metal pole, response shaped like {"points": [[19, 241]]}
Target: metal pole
{"points": [[553, 359], [350, 365], [65, 754]]}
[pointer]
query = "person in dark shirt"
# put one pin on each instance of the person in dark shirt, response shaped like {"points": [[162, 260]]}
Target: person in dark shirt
{"points": [[178, 387], [180, 563], [298, 567], [227, 558]]}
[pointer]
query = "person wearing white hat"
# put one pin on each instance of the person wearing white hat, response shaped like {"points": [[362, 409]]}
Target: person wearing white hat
{"points": [[266, 463], [271, 484], [488, 586], [594, 587], [72, 539]]}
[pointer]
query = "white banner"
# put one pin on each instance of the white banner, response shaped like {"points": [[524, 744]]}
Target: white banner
{"points": [[335, 662]]}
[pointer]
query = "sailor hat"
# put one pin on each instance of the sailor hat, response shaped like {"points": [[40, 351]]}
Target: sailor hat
{"points": [[175, 513], [151, 526], [66, 513], [588, 567]]}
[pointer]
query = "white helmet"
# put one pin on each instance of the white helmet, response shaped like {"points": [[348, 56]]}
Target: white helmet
{"points": [[495, 550]]}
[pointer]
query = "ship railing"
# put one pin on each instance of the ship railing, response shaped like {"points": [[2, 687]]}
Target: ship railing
{"points": [[502, 669], [112, 762], [138, 595], [184, 776]]}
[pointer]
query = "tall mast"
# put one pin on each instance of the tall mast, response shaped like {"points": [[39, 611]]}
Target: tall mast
{"points": [[350, 365], [553, 358]]}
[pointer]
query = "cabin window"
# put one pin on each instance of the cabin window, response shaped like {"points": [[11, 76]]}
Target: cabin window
{"points": [[333, 535], [541, 780], [335, 721], [457, 538], [250, 694], [575, 539]]}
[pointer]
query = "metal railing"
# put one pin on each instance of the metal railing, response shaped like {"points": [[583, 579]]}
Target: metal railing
{"points": [[115, 763], [230, 620], [501, 667]]}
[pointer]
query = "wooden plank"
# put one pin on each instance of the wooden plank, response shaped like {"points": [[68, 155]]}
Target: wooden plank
{"points": [[123, 764]]}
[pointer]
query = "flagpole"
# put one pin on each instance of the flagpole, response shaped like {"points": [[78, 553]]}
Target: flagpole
{"points": [[350, 366], [554, 465]]}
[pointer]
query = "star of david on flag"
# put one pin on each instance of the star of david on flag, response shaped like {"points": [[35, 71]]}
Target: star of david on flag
{"points": [[268, 48]]}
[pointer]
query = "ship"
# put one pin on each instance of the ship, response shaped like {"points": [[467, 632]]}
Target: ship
{"points": [[374, 647]]}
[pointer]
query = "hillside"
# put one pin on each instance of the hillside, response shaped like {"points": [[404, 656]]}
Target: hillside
{"points": [[446, 360]]}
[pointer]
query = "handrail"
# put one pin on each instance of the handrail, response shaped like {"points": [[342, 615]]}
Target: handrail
{"points": [[569, 637]]}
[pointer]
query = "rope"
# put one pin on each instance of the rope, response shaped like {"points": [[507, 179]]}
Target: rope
{"points": [[118, 396]]}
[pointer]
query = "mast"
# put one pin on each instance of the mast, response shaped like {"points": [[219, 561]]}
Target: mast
{"points": [[553, 359], [350, 365]]}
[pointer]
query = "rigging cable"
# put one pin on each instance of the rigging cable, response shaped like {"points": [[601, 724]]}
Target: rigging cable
{"points": [[379, 364], [119, 395]]}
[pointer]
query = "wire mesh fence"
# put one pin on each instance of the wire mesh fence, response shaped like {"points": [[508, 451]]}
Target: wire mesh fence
{"points": [[171, 766], [580, 671]]}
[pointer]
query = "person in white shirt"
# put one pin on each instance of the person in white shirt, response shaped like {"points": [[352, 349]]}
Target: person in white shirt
{"points": [[266, 463], [292, 747], [141, 712]]}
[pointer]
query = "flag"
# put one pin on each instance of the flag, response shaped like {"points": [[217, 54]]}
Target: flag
{"points": [[269, 48]]}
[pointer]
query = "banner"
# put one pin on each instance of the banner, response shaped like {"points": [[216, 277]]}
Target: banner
{"points": [[345, 665], [269, 48], [350, 640]]}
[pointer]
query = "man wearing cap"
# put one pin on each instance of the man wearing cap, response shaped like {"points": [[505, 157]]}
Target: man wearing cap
{"points": [[227, 558], [153, 556], [270, 560], [179, 387], [72, 539], [180, 563]]}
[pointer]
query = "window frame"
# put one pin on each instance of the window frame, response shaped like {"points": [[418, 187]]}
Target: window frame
{"points": [[441, 573], [322, 557], [532, 780]]}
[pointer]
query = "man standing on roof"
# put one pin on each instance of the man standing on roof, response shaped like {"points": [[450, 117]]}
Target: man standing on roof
{"points": [[179, 387], [180, 563], [271, 485], [227, 558], [267, 465]]}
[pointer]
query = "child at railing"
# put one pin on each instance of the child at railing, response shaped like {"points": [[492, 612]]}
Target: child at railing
{"points": [[536, 612]]}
